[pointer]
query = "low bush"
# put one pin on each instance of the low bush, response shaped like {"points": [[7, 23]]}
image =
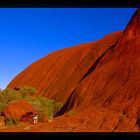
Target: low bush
{"points": [[9, 121], [44, 106], [71, 113], [25, 90], [12, 121], [7, 96]]}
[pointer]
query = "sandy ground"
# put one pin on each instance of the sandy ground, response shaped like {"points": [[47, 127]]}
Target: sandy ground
{"points": [[40, 127], [25, 128]]}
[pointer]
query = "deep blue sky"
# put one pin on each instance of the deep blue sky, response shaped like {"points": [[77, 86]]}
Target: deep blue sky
{"points": [[28, 34]]}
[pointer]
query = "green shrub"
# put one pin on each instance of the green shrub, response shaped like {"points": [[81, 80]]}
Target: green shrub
{"points": [[25, 90], [71, 113], [9, 121], [12, 121], [44, 106], [7, 96], [57, 107]]}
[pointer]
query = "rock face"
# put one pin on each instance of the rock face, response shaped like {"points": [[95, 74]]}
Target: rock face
{"points": [[114, 84], [57, 75], [100, 81], [17, 109]]}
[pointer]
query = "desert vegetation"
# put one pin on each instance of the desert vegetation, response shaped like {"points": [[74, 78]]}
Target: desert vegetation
{"points": [[71, 113], [42, 105]]}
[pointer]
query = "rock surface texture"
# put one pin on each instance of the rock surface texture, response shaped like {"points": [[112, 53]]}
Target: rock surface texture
{"points": [[17, 109]]}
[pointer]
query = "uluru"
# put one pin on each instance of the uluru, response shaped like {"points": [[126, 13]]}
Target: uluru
{"points": [[98, 84]]}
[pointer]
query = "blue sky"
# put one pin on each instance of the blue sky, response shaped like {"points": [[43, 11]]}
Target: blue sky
{"points": [[28, 34]]}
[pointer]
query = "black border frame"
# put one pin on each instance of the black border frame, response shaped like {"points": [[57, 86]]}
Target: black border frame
{"points": [[69, 4]]}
